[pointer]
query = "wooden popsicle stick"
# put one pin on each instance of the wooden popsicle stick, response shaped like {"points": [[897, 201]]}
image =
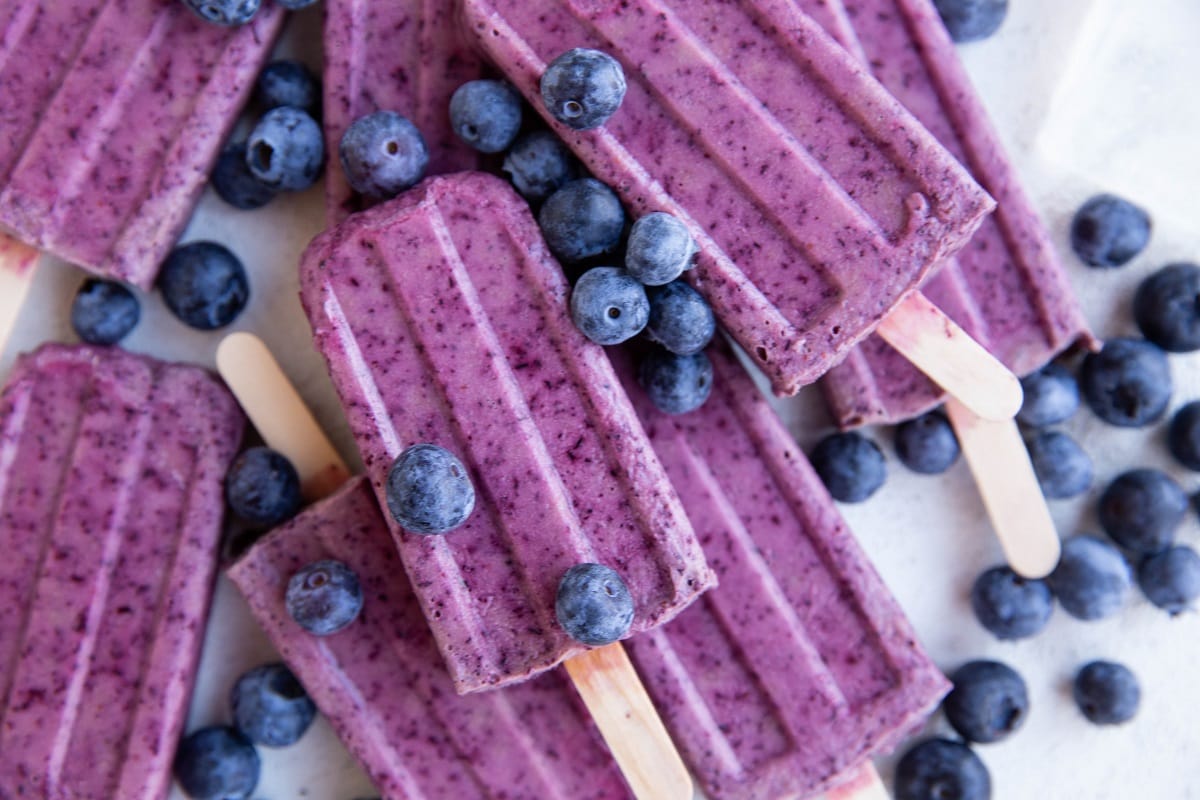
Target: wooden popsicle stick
{"points": [[1004, 474], [17, 262], [864, 785], [937, 346], [629, 723], [279, 414]]}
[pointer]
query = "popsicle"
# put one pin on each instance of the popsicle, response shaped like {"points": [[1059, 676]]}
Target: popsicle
{"points": [[111, 500], [800, 665], [406, 56], [818, 203], [113, 113], [443, 319]]}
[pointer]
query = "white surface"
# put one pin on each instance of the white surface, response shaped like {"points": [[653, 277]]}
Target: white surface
{"points": [[928, 536]]}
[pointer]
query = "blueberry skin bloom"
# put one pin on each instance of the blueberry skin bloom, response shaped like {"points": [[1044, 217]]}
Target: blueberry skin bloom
{"points": [[927, 444], [583, 88], [1128, 383], [288, 83], [594, 605], [680, 318], [1009, 606], [1091, 579], [1051, 396], [539, 165], [582, 219], [609, 306], [1107, 693], [324, 597], [271, 707], [217, 763], [660, 248], [486, 114], [234, 183], [940, 768], [1167, 308], [429, 490], [1183, 437], [1063, 468], [104, 312], [972, 20], [1171, 579], [263, 488], [1108, 231], [989, 701], [286, 149], [224, 12], [1142, 509], [382, 154], [851, 466], [204, 285], [676, 384]]}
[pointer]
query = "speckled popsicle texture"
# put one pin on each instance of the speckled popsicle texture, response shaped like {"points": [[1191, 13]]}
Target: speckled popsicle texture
{"points": [[112, 469], [443, 319], [113, 113], [382, 684]]}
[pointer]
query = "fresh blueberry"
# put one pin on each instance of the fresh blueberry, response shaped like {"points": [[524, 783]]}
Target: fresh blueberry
{"points": [[583, 88], [972, 20], [262, 487], [1167, 308], [1183, 437], [104, 312], [1128, 383], [539, 165], [234, 183], [1141, 510], [224, 12], [324, 597], [1051, 397], [1107, 693], [680, 318], [940, 769], [217, 763], [486, 114], [851, 466], [584, 218], [1010, 606], [609, 306], [1108, 231], [675, 384], [383, 154], [288, 83], [1091, 579], [1063, 468], [660, 248], [204, 285], [594, 605], [286, 150], [988, 703], [1171, 579], [927, 444], [271, 707], [429, 490]]}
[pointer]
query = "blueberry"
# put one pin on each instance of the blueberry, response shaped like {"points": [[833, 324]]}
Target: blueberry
{"points": [[224, 12], [971, 20], [1108, 231], [680, 318], [1171, 579], [583, 88], [286, 150], [429, 490], [660, 248], [988, 703], [295, 5], [927, 444], [1167, 308], [1183, 437], [324, 597], [1051, 396], [539, 164], [271, 707], [383, 154], [288, 83], [609, 306], [1107, 693], [940, 769], [1128, 383], [234, 183], [594, 605], [486, 114], [1063, 469], [1141, 510], [262, 487], [675, 384], [104, 312], [204, 285], [217, 763], [1091, 579], [1010, 606], [851, 466], [584, 218]]}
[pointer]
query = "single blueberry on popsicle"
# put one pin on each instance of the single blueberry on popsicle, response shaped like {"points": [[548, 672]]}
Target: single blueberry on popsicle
{"points": [[104, 312], [1091, 579], [1183, 437], [972, 20], [1107, 693], [660, 248], [1171, 579], [680, 318], [217, 763], [584, 218], [989, 701], [263, 488], [1010, 606], [1128, 383], [938, 768], [1051, 396], [383, 154], [675, 384], [234, 183], [1063, 468], [609, 306], [224, 12], [429, 490], [927, 444], [583, 88], [286, 149], [204, 285], [594, 605], [851, 466], [539, 165], [324, 597], [271, 707], [1142, 509], [1109, 231], [486, 114], [1167, 308], [288, 83]]}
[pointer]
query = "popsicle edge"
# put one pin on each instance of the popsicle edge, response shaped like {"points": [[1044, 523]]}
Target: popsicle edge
{"points": [[17, 268]]}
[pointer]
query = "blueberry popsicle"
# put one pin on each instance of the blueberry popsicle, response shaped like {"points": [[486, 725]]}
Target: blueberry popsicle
{"points": [[111, 500]]}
